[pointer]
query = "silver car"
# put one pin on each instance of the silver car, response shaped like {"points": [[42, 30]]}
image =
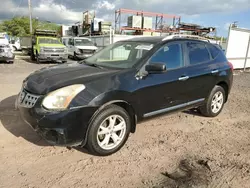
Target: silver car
{"points": [[6, 53]]}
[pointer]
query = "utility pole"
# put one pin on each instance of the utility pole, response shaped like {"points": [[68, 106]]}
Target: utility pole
{"points": [[30, 12]]}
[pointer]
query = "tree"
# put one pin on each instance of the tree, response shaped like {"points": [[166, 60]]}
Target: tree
{"points": [[20, 26]]}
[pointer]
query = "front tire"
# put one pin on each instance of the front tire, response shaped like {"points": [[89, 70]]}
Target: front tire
{"points": [[108, 131], [75, 57], [37, 58], [215, 102], [32, 56]]}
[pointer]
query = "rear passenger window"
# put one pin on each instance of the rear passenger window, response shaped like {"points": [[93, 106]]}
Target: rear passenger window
{"points": [[198, 53], [214, 51]]}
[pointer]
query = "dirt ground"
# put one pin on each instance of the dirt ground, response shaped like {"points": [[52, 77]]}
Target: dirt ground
{"points": [[180, 150]]}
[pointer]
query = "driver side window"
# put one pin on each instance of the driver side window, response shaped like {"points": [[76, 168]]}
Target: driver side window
{"points": [[170, 55]]}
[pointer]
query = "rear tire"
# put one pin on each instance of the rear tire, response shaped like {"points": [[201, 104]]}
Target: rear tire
{"points": [[108, 131], [215, 102]]}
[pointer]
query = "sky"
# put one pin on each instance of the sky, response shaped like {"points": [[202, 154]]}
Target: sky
{"points": [[215, 13]]}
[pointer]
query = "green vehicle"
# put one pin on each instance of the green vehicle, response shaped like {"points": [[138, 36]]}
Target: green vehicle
{"points": [[47, 47]]}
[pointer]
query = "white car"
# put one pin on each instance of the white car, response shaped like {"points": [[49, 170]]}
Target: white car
{"points": [[80, 47]]}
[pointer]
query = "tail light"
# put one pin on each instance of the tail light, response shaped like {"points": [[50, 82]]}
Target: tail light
{"points": [[231, 66]]}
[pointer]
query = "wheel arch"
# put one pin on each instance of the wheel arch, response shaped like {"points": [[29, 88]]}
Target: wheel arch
{"points": [[225, 86], [123, 104]]}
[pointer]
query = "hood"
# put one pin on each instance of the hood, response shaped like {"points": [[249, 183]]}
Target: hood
{"points": [[87, 47], [51, 78], [52, 45]]}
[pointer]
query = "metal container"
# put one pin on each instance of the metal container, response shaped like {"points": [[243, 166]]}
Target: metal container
{"points": [[104, 27], [147, 22], [135, 21], [146, 33]]}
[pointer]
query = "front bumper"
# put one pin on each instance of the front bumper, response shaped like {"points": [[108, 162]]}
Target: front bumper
{"points": [[65, 128], [7, 57], [83, 56], [53, 57]]}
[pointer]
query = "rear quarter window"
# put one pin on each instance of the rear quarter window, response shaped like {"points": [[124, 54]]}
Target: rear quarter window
{"points": [[197, 53], [214, 51]]}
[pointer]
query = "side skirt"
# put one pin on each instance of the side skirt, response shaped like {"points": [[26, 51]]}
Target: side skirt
{"points": [[173, 108]]}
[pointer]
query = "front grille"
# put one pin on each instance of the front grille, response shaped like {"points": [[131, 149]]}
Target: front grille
{"points": [[1, 50], [83, 51], [53, 50], [26, 99]]}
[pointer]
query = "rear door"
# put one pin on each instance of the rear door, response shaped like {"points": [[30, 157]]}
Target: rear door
{"points": [[201, 70]]}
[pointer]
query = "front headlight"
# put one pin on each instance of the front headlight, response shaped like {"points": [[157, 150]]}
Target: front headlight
{"points": [[61, 98]]}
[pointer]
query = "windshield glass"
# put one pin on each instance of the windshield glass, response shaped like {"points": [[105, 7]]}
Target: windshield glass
{"points": [[120, 54], [48, 41], [83, 42]]}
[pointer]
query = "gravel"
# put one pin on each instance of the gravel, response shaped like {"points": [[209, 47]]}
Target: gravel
{"points": [[179, 150]]}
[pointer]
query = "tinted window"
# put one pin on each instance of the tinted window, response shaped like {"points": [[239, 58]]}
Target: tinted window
{"points": [[170, 54], [213, 50], [198, 52]]}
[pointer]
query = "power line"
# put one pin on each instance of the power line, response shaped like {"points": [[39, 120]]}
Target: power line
{"points": [[30, 12]]}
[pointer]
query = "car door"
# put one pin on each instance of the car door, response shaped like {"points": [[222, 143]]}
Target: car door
{"points": [[164, 91], [201, 71]]}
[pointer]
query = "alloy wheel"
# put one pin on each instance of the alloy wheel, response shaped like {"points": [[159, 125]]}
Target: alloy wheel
{"points": [[217, 102], [111, 132]]}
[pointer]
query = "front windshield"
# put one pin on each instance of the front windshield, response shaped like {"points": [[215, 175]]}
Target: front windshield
{"points": [[83, 42], [120, 54], [48, 41]]}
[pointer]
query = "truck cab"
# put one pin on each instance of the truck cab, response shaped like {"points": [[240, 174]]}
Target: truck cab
{"points": [[47, 47], [80, 47]]}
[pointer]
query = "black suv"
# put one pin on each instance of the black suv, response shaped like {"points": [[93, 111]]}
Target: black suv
{"points": [[98, 102]]}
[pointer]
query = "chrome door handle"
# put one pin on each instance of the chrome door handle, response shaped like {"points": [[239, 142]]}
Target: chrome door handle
{"points": [[184, 78], [215, 71]]}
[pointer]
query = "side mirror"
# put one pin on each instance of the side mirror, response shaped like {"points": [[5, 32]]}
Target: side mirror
{"points": [[156, 68], [95, 44]]}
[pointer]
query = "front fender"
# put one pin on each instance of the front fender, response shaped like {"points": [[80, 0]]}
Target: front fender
{"points": [[92, 98]]}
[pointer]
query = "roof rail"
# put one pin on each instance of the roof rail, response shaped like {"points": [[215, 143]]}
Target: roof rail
{"points": [[185, 36]]}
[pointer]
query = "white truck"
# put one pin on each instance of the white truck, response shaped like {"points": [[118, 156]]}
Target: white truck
{"points": [[15, 44], [79, 47]]}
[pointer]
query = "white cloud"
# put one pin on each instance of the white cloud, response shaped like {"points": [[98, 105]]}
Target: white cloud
{"points": [[105, 4], [70, 11]]}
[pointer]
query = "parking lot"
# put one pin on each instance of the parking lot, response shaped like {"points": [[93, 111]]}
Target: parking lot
{"points": [[180, 150]]}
